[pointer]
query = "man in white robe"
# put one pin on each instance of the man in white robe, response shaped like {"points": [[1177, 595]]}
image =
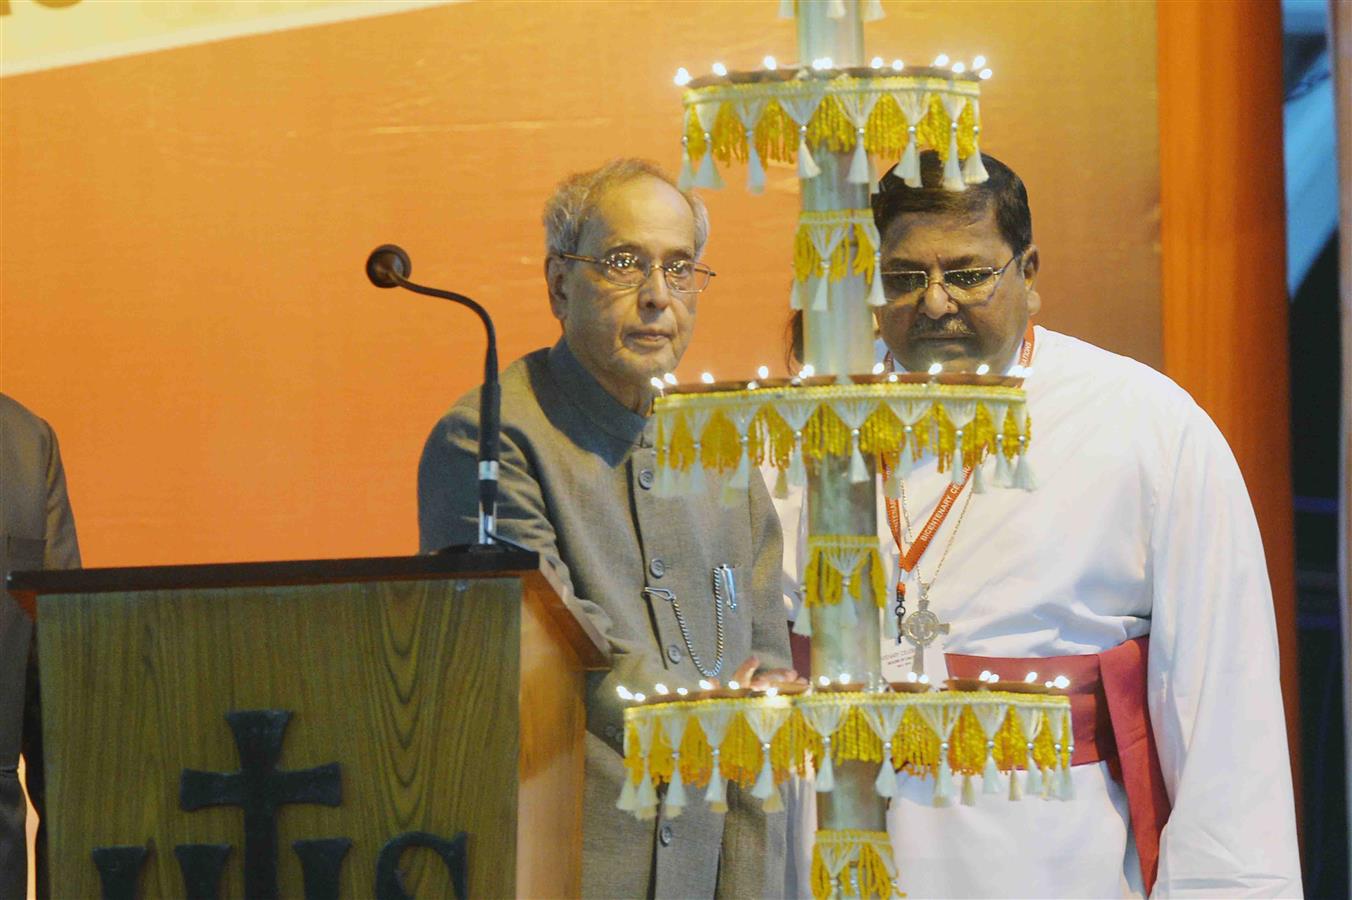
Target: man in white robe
{"points": [[1140, 525]]}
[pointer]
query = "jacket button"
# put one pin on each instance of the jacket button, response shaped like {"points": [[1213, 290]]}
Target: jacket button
{"points": [[657, 567], [673, 653], [645, 479], [666, 835]]}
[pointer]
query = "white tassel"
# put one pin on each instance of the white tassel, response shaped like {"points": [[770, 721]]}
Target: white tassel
{"points": [[943, 783], [707, 176], [952, 171], [1015, 791], [1067, 791], [675, 801], [807, 166], [1004, 477], [978, 479], [968, 790], [765, 781], [826, 776], [717, 793], [802, 625], [695, 483], [797, 471], [796, 294], [821, 299], [889, 625], [1023, 475], [858, 470], [687, 175], [974, 170], [835, 9], [905, 463], [755, 171], [859, 168], [886, 783], [665, 482], [741, 479], [873, 11], [1032, 785], [892, 483], [647, 797], [909, 167], [990, 775], [955, 468], [786, 9], [876, 297], [628, 795], [781, 491]]}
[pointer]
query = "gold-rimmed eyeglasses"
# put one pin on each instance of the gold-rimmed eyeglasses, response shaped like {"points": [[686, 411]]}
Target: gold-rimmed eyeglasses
{"points": [[967, 285], [627, 269]]}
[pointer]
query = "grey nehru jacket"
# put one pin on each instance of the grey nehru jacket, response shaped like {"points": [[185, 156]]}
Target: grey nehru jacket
{"points": [[577, 483], [37, 531]]}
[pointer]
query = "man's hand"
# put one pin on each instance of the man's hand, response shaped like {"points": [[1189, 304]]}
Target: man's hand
{"points": [[748, 676]]}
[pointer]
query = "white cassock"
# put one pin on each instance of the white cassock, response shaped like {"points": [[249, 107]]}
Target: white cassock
{"points": [[1140, 524]]}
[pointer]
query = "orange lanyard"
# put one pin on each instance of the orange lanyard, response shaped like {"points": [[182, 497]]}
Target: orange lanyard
{"points": [[911, 556]]}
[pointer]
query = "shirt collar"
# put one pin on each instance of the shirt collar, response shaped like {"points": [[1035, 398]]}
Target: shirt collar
{"points": [[582, 389]]}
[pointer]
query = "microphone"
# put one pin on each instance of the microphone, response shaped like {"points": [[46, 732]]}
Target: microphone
{"points": [[389, 266]]}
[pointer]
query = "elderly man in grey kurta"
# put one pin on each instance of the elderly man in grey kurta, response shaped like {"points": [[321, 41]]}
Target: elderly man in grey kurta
{"points": [[577, 485]]}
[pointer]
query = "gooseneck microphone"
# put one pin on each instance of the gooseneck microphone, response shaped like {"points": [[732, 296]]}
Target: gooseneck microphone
{"points": [[389, 266]]}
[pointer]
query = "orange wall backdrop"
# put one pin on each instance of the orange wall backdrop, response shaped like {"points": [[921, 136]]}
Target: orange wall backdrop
{"points": [[182, 234]]}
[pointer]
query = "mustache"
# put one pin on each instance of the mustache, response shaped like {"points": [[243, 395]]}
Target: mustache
{"points": [[950, 326]]}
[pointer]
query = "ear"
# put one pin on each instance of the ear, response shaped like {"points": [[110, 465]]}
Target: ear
{"points": [[1031, 261], [556, 270]]}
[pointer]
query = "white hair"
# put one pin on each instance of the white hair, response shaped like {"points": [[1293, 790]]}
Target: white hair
{"points": [[575, 199]]}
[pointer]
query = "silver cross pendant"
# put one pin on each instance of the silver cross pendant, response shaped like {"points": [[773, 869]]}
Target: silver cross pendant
{"points": [[921, 628]]}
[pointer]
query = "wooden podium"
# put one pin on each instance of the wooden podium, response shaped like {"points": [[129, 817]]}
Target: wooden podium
{"points": [[407, 726]]}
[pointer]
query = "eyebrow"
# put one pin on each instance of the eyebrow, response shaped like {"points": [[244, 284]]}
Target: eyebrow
{"points": [[958, 262], [630, 247]]}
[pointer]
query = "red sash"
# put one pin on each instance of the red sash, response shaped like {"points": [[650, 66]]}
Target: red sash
{"points": [[1111, 723]]}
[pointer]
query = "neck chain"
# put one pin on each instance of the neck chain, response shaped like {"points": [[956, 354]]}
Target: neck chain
{"points": [[926, 585], [922, 626]]}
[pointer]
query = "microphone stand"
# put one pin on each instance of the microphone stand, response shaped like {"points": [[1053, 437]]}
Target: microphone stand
{"points": [[389, 266]]}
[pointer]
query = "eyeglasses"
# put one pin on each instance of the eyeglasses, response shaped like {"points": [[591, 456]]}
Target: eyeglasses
{"points": [[630, 270], [963, 285]]}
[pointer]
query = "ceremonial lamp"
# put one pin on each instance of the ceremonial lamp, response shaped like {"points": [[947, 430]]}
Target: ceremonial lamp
{"points": [[822, 431]]}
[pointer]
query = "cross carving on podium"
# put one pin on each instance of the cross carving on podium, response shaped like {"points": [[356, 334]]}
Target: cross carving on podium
{"points": [[260, 789]]}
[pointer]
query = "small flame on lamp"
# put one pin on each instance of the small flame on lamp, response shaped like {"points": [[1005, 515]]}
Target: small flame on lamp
{"points": [[763, 372], [682, 77], [670, 379], [983, 369], [770, 63], [941, 60], [707, 378], [719, 69]]}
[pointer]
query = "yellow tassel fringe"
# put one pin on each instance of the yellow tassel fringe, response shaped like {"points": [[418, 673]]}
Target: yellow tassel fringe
{"points": [[825, 434], [862, 863], [915, 744], [776, 134], [825, 585]]}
